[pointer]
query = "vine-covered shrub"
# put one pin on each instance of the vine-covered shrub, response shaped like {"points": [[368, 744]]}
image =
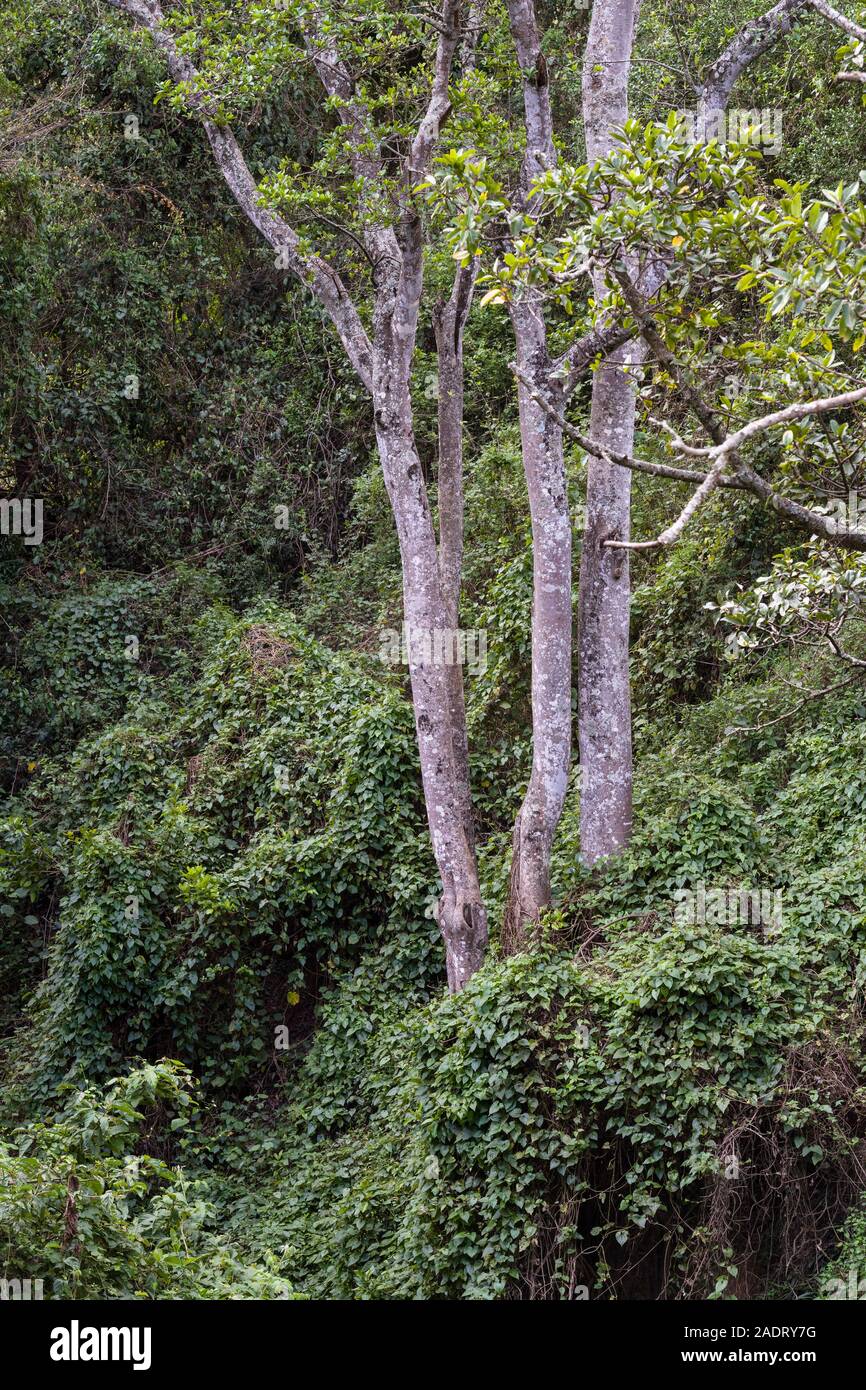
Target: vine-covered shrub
{"points": [[242, 849], [203, 875], [86, 1209], [571, 1128], [649, 1102]]}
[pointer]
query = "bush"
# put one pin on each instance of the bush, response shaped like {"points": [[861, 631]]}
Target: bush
{"points": [[86, 1211]]}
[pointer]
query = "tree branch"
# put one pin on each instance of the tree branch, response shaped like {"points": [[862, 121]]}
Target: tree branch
{"points": [[320, 278], [449, 321], [753, 40], [439, 105], [799, 410], [727, 446], [673, 532], [795, 709], [814, 522], [568, 369], [438, 109], [840, 20], [591, 446]]}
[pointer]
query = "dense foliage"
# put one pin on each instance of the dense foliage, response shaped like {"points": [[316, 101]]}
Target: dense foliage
{"points": [[229, 1065]]}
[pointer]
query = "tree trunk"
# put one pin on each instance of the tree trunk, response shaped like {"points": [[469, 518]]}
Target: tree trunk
{"points": [[604, 701], [462, 917], [541, 440], [604, 694], [448, 321], [541, 446]]}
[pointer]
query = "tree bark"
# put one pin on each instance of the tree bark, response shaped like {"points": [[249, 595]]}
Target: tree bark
{"points": [[754, 39], [461, 913], [604, 693], [604, 690], [543, 465], [539, 815], [449, 320]]}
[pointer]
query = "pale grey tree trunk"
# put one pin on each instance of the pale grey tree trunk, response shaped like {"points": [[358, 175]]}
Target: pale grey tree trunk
{"points": [[539, 815], [604, 692], [431, 586], [449, 320], [462, 917], [543, 466]]}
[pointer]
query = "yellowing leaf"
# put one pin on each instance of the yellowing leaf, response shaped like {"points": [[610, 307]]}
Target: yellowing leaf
{"points": [[494, 296]]}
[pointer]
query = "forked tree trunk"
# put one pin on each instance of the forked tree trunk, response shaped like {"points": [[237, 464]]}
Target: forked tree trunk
{"points": [[462, 918]]}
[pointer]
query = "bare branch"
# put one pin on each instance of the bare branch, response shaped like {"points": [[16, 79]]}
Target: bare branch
{"points": [[843, 654], [840, 20], [846, 538], [592, 446], [753, 40], [673, 532], [314, 272], [799, 410], [814, 522], [795, 709], [743, 474]]}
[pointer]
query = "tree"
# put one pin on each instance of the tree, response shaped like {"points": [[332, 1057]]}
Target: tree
{"points": [[385, 165], [604, 698], [544, 388], [627, 273], [373, 300]]}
